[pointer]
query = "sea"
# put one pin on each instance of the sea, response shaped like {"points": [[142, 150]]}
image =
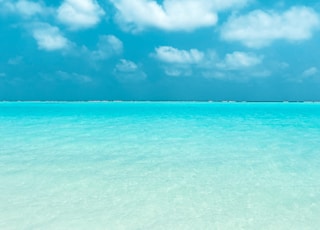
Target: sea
{"points": [[159, 165]]}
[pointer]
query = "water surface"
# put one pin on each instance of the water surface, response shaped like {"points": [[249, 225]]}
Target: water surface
{"points": [[144, 165]]}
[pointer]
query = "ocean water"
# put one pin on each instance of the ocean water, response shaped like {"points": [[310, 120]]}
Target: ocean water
{"points": [[169, 165]]}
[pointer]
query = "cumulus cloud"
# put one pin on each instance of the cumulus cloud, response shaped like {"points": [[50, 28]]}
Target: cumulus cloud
{"points": [[310, 72], [78, 14], [179, 62], [128, 71], [176, 62], [49, 37], [171, 15], [108, 46], [240, 60], [172, 55], [260, 28]]}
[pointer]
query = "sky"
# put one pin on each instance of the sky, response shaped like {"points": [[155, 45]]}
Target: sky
{"points": [[243, 50]]}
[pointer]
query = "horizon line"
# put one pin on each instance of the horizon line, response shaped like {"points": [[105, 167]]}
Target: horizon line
{"points": [[159, 101]]}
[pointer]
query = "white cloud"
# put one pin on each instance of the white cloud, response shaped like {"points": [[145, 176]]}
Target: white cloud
{"points": [[187, 62], [24, 8], [80, 14], [179, 62], [172, 55], [126, 66], [310, 72], [29, 8], [240, 60], [49, 37], [128, 71], [183, 15], [260, 28], [239, 66], [108, 45]]}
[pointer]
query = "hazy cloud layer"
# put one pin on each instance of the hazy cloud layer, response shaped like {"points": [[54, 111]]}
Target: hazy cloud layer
{"points": [[73, 77], [128, 71], [108, 46], [310, 72]]}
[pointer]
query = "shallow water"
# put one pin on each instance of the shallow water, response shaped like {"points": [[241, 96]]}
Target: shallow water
{"points": [[159, 165]]}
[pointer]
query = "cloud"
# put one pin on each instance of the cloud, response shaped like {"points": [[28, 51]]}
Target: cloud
{"points": [[206, 63], [75, 77], [15, 61], [239, 60], [260, 28], [179, 62], [177, 71], [80, 14], [108, 46], [128, 71], [3, 74], [171, 15], [28, 8], [6, 7], [170, 54], [126, 66], [310, 72], [49, 37], [25, 8], [239, 66]]}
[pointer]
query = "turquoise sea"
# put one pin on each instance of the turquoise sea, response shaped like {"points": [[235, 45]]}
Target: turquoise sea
{"points": [[164, 165]]}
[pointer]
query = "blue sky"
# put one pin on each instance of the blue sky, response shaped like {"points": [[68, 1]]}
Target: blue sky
{"points": [[159, 50]]}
